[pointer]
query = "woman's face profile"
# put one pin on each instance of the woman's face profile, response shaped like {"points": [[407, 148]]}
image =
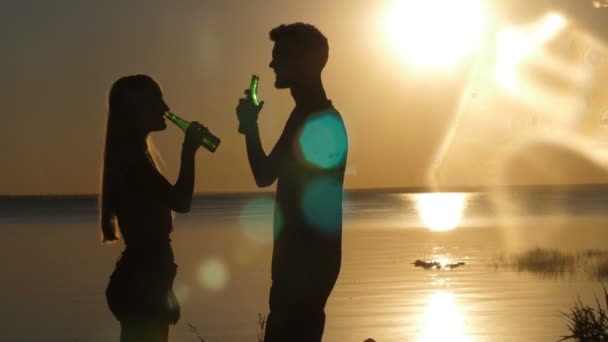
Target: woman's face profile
{"points": [[151, 108]]}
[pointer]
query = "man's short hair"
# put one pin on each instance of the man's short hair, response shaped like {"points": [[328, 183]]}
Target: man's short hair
{"points": [[302, 38]]}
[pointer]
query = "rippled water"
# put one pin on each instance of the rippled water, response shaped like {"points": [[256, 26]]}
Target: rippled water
{"points": [[55, 270]]}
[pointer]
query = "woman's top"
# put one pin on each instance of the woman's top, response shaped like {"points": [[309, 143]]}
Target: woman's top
{"points": [[144, 199]]}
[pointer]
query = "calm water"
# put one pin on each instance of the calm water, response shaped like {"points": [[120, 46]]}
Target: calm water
{"points": [[55, 270]]}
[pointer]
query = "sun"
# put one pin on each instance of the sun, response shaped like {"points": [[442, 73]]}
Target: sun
{"points": [[434, 33]]}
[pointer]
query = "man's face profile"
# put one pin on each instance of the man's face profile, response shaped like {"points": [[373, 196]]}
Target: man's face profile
{"points": [[286, 65]]}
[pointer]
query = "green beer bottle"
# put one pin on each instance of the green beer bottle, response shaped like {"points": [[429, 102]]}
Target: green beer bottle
{"points": [[209, 142], [253, 92], [253, 88]]}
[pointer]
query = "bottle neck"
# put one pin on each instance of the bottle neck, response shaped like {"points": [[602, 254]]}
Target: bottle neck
{"points": [[181, 123]]}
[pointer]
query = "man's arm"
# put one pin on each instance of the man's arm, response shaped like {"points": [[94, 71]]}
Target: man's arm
{"points": [[264, 168]]}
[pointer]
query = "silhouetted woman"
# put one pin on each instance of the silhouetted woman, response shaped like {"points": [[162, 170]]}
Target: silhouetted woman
{"points": [[137, 204]]}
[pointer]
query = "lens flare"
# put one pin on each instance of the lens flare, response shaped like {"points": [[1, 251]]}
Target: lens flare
{"points": [[514, 45], [213, 274], [323, 142], [256, 219], [322, 204]]}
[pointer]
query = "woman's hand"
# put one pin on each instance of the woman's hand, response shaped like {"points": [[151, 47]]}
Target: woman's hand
{"points": [[194, 136]]}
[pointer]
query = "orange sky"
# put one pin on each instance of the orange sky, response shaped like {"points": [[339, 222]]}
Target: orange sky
{"points": [[60, 59]]}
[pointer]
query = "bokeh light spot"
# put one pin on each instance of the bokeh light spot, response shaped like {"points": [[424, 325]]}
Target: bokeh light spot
{"points": [[322, 205], [213, 274], [256, 219], [323, 141]]}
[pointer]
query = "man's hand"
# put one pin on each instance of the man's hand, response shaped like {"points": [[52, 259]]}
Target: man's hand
{"points": [[247, 113]]}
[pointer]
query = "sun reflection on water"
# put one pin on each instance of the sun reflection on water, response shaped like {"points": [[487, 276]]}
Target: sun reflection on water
{"points": [[443, 320], [441, 211]]}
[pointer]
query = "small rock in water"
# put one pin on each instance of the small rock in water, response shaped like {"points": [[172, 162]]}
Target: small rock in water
{"points": [[370, 340], [436, 264]]}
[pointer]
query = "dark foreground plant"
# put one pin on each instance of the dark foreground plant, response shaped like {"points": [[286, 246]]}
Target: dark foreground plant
{"points": [[586, 323]]}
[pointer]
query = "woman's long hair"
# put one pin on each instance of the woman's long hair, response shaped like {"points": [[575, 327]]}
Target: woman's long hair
{"points": [[122, 128]]}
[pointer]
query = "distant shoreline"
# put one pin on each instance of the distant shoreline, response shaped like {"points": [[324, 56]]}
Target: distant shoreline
{"points": [[596, 187]]}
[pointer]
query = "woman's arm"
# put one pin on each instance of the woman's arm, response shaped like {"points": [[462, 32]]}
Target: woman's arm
{"points": [[154, 186], [181, 197]]}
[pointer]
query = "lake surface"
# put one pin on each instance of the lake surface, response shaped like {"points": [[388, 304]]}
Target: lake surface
{"points": [[56, 270]]}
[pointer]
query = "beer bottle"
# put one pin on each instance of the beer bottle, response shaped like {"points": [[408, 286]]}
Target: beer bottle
{"points": [[209, 141], [253, 92]]}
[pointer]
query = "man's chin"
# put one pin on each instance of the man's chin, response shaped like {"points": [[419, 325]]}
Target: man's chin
{"points": [[280, 85]]}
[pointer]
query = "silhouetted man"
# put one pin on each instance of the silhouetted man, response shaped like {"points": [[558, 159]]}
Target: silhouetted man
{"points": [[309, 161]]}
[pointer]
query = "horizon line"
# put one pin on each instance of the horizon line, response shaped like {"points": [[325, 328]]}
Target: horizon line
{"points": [[407, 189]]}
